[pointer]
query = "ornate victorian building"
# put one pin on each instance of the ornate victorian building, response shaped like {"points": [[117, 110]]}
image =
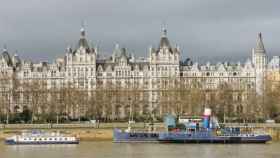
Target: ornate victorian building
{"points": [[84, 68]]}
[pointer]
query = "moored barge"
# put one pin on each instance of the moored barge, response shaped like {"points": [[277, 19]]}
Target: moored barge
{"points": [[209, 131], [128, 135], [204, 130]]}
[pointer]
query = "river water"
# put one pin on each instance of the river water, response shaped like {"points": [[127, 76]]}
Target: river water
{"points": [[138, 150]]}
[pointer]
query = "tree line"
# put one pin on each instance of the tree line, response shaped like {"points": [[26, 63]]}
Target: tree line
{"points": [[32, 101]]}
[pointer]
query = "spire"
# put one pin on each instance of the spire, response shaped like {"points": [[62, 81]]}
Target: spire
{"points": [[6, 55], [260, 46], [117, 50], [83, 32], [164, 31], [123, 52], [164, 42], [69, 49], [83, 42]]}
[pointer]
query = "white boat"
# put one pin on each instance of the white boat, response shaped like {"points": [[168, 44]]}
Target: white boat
{"points": [[39, 137]]}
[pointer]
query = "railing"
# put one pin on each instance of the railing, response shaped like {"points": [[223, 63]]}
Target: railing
{"points": [[78, 125], [123, 125], [45, 126], [252, 125]]}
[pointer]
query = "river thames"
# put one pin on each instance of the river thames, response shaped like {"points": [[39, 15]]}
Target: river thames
{"points": [[137, 150]]}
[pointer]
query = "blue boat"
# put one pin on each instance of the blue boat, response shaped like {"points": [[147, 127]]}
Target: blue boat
{"points": [[122, 136], [206, 131], [211, 137], [129, 135], [209, 131]]}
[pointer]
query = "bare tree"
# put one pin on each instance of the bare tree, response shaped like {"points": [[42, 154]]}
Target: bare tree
{"points": [[271, 99], [197, 98], [224, 96], [6, 83]]}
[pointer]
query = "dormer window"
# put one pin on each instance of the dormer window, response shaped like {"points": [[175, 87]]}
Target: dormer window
{"points": [[99, 73]]}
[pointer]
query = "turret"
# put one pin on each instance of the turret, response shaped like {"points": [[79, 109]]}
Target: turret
{"points": [[116, 52], [259, 57], [83, 42], [164, 42]]}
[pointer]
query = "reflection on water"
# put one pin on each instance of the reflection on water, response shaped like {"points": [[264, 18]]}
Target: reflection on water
{"points": [[138, 150], [38, 147], [44, 146]]}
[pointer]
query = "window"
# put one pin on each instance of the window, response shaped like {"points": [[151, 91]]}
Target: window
{"points": [[25, 74]]}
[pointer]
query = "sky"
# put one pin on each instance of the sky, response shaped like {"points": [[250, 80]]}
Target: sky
{"points": [[204, 29]]}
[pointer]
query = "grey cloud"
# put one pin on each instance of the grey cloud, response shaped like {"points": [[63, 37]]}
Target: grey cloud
{"points": [[205, 30]]}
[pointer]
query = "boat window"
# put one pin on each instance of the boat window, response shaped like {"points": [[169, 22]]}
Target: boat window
{"points": [[65, 138], [50, 138], [55, 139]]}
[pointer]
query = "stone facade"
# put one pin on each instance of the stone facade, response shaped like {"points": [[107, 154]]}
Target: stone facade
{"points": [[85, 69]]}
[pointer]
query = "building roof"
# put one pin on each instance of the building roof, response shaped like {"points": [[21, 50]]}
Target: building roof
{"points": [[164, 42], [83, 41], [260, 46], [5, 55]]}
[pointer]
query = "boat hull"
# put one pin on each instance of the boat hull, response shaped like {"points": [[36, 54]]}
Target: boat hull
{"points": [[12, 142], [187, 138], [182, 137], [122, 136]]}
